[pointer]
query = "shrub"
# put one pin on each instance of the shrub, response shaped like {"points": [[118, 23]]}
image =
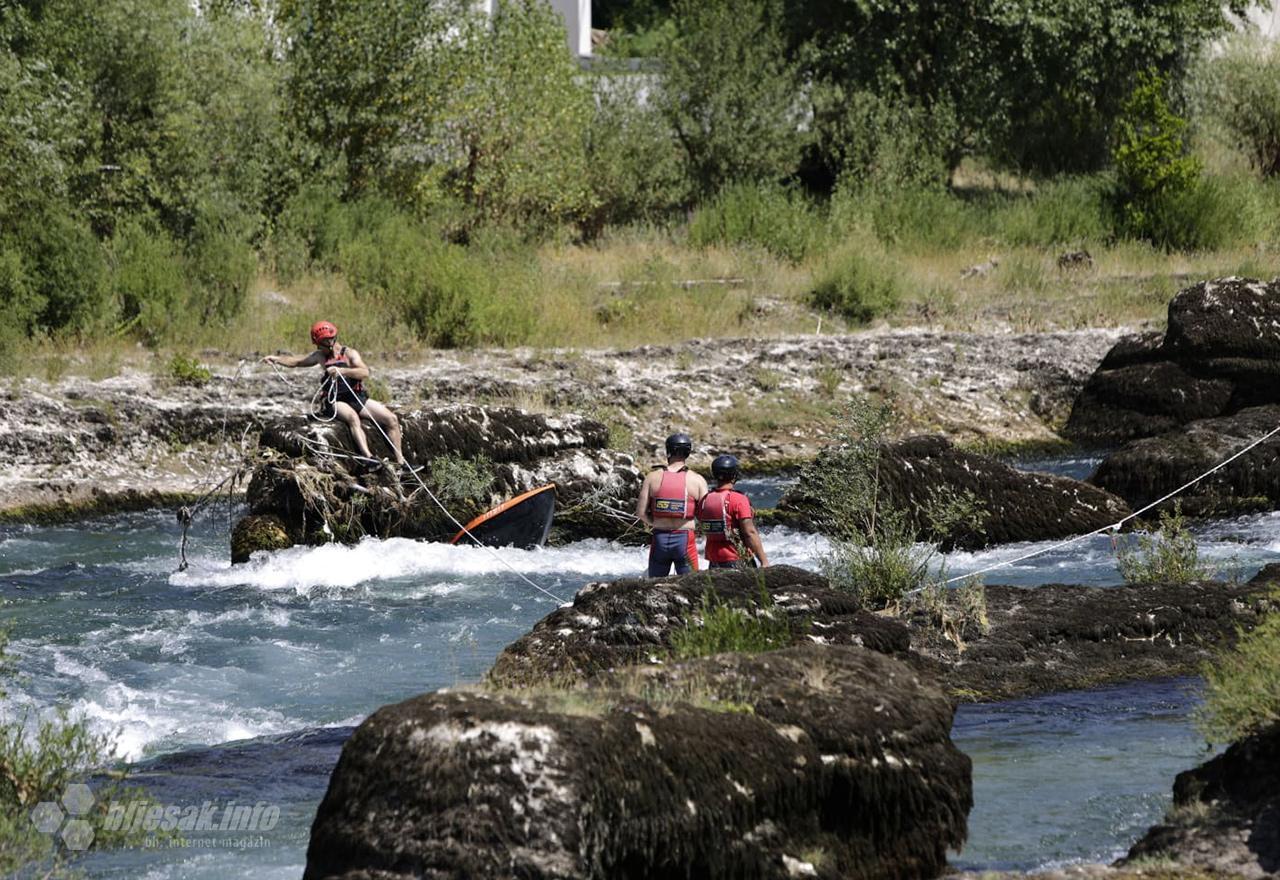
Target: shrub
{"points": [[186, 370], [64, 271], [865, 138], [1213, 213], [633, 159], [146, 279], [456, 478], [221, 265], [859, 281], [1166, 556], [1065, 211], [718, 628], [781, 221], [1150, 155], [911, 216], [1242, 685], [1243, 95], [877, 551]]}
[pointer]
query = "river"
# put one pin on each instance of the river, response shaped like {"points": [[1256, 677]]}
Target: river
{"points": [[239, 685]]}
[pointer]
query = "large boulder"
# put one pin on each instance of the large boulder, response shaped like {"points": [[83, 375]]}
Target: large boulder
{"points": [[1226, 813], [303, 476], [631, 621], [1145, 470], [810, 761], [1017, 505], [1220, 353]]}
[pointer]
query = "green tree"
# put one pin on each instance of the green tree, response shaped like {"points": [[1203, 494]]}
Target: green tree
{"points": [[1151, 157], [730, 93], [1036, 83]]}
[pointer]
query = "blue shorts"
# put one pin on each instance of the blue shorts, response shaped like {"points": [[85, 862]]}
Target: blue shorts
{"points": [[679, 548]]}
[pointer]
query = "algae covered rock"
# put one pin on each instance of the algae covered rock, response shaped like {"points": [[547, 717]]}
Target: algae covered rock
{"points": [[305, 474], [1016, 505], [252, 533], [1226, 813], [631, 621], [809, 761]]}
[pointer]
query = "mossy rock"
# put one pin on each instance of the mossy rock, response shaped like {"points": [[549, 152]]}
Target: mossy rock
{"points": [[262, 532]]}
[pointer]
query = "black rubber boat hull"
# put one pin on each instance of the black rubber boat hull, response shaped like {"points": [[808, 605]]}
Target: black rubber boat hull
{"points": [[523, 522]]}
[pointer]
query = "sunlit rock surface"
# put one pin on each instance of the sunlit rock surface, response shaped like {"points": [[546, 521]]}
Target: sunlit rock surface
{"points": [[811, 761]]}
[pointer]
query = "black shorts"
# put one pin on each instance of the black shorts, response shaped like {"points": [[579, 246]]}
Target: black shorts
{"points": [[355, 400]]}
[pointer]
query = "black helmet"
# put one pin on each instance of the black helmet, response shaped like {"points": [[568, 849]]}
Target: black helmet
{"points": [[725, 468], [679, 446]]}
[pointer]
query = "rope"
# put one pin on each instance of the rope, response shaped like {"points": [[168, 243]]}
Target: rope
{"points": [[1114, 527], [186, 514], [451, 517]]}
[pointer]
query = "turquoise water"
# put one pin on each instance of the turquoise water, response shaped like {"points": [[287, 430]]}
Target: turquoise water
{"points": [[239, 685]]}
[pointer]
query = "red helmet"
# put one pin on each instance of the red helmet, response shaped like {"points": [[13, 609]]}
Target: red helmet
{"points": [[322, 330]]}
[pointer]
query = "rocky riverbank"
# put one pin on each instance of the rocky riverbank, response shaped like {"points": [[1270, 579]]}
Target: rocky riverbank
{"points": [[80, 445]]}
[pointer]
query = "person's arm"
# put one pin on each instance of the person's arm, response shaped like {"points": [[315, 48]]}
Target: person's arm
{"points": [[357, 370], [751, 537], [295, 360], [642, 503]]}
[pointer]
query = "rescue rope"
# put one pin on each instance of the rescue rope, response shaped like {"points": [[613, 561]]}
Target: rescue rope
{"points": [[187, 513], [1113, 528], [451, 517]]}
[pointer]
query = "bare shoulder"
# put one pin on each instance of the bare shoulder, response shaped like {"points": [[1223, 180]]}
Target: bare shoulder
{"points": [[352, 356]]}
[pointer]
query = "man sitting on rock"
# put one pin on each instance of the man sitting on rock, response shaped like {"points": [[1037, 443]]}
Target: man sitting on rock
{"points": [[669, 497], [725, 515], [342, 391]]}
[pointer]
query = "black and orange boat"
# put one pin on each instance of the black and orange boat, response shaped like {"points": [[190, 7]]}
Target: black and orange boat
{"points": [[523, 521]]}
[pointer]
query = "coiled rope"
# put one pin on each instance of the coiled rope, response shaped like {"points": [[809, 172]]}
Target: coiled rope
{"points": [[1113, 528]]}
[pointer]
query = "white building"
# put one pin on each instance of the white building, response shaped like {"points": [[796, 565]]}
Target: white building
{"points": [[577, 22]]}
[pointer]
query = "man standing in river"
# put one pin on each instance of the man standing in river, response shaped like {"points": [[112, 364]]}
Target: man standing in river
{"points": [[669, 497], [342, 390]]}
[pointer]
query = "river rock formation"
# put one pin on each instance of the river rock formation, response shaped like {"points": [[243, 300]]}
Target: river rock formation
{"points": [[1226, 813], [1032, 641], [1145, 470], [79, 444], [305, 488], [1016, 505], [813, 761], [631, 621], [1219, 355]]}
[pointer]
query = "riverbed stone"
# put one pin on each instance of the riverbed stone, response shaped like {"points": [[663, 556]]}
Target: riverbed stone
{"points": [[305, 475], [1219, 354], [253, 533], [1017, 505], [1145, 470], [818, 761], [1226, 813], [631, 621]]}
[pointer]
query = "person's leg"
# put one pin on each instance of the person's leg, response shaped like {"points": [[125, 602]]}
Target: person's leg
{"points": [[390, 424], [686, 548], [659, 564], [352, 420]]}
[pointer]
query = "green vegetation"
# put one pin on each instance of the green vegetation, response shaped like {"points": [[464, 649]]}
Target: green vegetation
{"points": [[718, 627], [188, 371], [457, 478], [1242, 685], [878, 551], [430, 176], [38, 758], [1166, 556]]}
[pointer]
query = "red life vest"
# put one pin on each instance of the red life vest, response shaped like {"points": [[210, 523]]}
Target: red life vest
{"points": [[340, 360], [672, 498], [718, 519]]}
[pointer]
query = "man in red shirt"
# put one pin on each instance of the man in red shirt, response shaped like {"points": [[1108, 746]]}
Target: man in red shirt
{"points": [[724, 515]]}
